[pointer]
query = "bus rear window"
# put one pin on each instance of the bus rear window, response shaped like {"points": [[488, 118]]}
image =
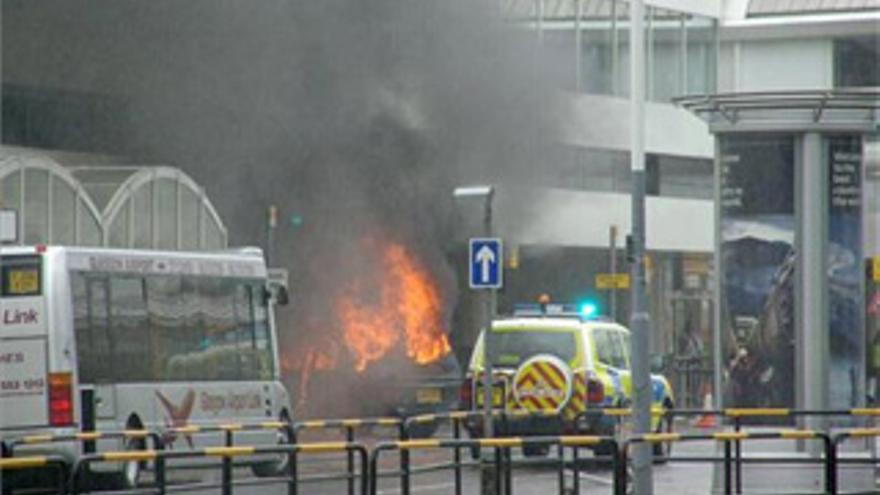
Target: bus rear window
{"points": [[20, 276]]}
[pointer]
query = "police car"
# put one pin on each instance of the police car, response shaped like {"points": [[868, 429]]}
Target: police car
{"points": [[555, 362]]}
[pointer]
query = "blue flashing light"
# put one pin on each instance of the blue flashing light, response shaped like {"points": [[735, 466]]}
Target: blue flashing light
{"points": [[589, 309]]}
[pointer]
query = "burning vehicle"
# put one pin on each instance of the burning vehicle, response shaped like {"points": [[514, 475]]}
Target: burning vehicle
{"points": [[389, 345]]}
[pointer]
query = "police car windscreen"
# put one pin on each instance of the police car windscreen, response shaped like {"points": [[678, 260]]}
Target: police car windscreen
{"points": [[512, 348]]}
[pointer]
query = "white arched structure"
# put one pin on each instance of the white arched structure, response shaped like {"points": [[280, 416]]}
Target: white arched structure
{"points": [[52, 205], [153, 207]]}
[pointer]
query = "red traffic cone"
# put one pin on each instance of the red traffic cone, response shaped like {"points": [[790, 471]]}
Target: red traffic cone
{"points": [[707, 420]]}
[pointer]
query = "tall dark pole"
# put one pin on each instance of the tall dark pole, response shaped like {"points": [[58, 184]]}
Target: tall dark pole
{"points": [[640, 318], [488, 315]]}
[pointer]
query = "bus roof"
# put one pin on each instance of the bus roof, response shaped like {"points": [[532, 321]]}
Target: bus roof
{"points": [[244, 262]]}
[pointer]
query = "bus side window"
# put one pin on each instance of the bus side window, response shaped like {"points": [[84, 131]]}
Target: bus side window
{"points": [[262, 338], [217, 301], [129, 326], [94, 343], [173, 311]]}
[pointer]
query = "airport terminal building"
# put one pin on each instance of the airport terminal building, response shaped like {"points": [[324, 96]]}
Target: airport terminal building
{"points": [[762, 131]]}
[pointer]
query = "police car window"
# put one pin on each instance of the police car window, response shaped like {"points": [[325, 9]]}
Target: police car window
{"points": [[513, 348], [610, 348], [623, 340], [604, 349]]}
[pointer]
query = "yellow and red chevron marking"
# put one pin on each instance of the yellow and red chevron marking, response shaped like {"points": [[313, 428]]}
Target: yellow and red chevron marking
{"points": [[578, 401], [540, 386]]}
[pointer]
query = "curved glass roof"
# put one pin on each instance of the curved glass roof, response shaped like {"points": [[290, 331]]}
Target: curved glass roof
{"points": [[147, 207]]}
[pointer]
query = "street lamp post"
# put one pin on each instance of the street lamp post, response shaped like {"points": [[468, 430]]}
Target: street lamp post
{"points": [[640, 318], [486, 193]]}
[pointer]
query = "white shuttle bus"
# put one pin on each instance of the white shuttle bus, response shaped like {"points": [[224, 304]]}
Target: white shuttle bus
{"points": [[112, 339]]}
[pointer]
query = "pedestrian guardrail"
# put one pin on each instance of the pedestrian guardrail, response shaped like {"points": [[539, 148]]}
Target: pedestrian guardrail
{"points": [[56, 463], [728, 438], [841, 437], [87, 437], [369, 474], [348, 426], [160, 460], [502, 456]]}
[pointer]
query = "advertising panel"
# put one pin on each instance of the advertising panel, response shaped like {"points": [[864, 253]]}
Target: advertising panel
{"points": [[758, 258], [844, 268]]}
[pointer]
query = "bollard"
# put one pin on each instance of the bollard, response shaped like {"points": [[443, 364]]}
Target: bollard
{"points": [[404, 461], [349, 437]]}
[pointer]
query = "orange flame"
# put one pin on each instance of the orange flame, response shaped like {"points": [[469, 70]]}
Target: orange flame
{"points": [[408, 309]]}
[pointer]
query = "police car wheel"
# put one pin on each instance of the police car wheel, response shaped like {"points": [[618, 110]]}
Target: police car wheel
{"points": [[423, 430], [663, 450], [475, 453]]}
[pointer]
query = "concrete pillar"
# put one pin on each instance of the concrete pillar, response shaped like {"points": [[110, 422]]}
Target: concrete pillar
{"points": [[811, 298]]}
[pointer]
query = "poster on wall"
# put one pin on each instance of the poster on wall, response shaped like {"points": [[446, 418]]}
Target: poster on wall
{"points": [[758, 258], [844, 268], [872, 327]]}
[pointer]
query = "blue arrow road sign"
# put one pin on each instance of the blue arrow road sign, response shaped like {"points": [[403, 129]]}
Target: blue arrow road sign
{"points": [[486, 264]]}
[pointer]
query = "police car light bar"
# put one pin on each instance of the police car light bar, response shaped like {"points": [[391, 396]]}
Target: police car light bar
{"points": [[569, 310]]}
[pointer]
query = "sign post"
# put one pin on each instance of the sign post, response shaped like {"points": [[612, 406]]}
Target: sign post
{"points": [[487, 262], [486, 273]]}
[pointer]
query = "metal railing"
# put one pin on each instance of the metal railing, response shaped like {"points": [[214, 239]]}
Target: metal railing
{"points": [[56, 463], [502, 456], [728, 438], [349, 426], [615, 447], [160, 460]]}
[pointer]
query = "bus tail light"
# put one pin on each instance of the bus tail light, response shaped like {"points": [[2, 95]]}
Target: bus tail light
{"points": [[60, 399]]}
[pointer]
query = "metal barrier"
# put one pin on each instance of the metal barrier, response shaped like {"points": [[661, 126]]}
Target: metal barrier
{"points": [[349, 426], [161, 458], [87, 436], [57, 463], [230, 429], [502, 460], [738, 414], [458, 419], [840, 438], [729, 438]]}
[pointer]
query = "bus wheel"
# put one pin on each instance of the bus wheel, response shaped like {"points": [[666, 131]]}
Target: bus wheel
{"points": [[279, 466]]}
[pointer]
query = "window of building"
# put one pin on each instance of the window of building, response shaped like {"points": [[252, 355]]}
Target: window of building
{"points": [[857, 62]]}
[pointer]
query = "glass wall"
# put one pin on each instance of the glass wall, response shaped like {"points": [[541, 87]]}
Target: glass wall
{"points": [[680, 54], [137, 207], [162, 208], [857, 61], [51, 206], [606, 170]]}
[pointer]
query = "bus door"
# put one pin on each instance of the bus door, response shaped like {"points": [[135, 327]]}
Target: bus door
{"points": [[25, 384]]}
